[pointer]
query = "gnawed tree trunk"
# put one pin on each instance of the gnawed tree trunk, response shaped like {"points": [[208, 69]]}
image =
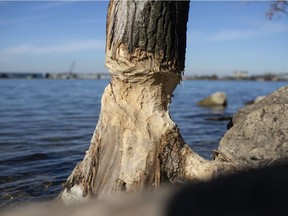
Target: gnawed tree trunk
{"points": [[136, 145]]}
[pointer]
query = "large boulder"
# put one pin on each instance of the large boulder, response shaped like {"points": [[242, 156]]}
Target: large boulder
{"points": [[258, 133], [216, 99]]}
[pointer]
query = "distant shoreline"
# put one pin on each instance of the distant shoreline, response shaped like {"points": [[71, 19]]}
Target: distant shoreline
{"points": [[97, 76]]}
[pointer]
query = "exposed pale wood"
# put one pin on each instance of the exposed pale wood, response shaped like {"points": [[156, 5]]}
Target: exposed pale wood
{"points": [[136, 145]]}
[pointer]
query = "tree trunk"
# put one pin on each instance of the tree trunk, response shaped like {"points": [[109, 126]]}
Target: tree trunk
{"points": [[136, 145]]}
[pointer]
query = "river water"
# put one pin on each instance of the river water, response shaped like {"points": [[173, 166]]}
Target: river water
{"points": [[46, 127]]}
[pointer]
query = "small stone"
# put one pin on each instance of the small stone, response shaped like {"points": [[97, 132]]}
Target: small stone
{"points": [[259, 98], [216, 99]]}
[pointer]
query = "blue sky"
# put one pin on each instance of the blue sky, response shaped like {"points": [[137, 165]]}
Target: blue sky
{"points": [[223, 36]]}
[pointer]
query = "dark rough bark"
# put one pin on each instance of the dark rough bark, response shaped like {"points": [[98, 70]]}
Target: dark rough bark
{"points": [[146, 30]]}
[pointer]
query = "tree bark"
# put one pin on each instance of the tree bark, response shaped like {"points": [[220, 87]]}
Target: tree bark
{"points": [[136, 145]]}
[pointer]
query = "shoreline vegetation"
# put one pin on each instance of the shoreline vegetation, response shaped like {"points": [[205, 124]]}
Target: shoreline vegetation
{"points": [[69, 75]]}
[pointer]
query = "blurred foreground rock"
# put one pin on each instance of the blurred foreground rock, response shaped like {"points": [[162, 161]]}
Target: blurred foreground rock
{"points": [[261, 192], [216, 99], [258, 134], [145, 203], [254, 193]]}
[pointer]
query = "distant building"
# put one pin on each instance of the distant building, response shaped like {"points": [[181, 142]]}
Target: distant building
{"points": [[240, 74]]}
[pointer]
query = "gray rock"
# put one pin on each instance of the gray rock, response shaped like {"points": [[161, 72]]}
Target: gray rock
{"points": [[259, 98], [255, 101], [258, 134], [216, 99]]}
